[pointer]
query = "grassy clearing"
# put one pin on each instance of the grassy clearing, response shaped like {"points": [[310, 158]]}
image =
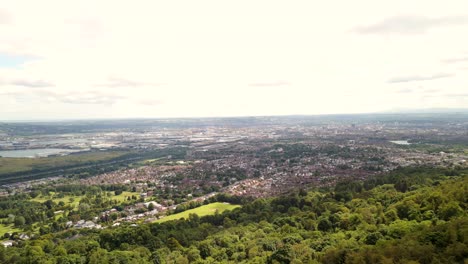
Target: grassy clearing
{"points": [[75, 200], [152, 160], [11, 165], [57, 216], [208, 209], [148, 162], [123, 196], [67, 199], [7, 229]]}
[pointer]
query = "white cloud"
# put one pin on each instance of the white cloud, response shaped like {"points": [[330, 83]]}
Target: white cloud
{"points": [[412, 24], [31, 83], [418, 78], [116, 82], [456, 60], [270, 84], [4, 17]]}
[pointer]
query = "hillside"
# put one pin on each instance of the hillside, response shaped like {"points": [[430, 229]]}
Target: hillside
{"points": [[415, 215]]}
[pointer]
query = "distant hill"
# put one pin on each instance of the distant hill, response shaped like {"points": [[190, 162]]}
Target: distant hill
{"points": [[427, 111]]}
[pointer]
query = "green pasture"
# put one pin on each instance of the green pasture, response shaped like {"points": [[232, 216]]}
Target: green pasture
{"points": [[123, 196], [67, 199], [7, 229], [203, 210]]}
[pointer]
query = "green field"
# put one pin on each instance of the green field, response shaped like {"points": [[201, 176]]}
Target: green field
{"points": [[123, 196], [208, 209], [7, 229], [11, 165], [67, 199], [149, 161]]}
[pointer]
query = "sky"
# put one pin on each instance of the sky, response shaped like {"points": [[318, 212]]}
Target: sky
{"points": [[123, 59]]}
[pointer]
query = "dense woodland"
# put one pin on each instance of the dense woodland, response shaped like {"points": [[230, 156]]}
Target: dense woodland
{"points": [[412, 215]]}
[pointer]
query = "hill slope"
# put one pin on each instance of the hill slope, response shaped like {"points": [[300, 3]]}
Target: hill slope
{"points": [[411, 216]]}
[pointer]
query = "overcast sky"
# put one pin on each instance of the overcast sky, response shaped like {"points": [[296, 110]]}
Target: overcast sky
{"points": [[119, 59]]}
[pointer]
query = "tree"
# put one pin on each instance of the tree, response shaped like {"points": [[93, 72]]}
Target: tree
{"points": [[205, 249], [156, 258], [282, 255], [83, 207], [324, 225], [193, 254], [450, 210], [114, 216], [60, 251], [34, 254], [99, 257], [173, 244], [372, 238], [2, 255], [19, 221]]}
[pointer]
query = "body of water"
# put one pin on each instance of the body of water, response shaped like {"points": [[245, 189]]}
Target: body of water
{"points": [[33, 153], [400, 142], [63, 141]]}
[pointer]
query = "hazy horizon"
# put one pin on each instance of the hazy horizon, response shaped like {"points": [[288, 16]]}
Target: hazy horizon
{"points": [[442, 111]]}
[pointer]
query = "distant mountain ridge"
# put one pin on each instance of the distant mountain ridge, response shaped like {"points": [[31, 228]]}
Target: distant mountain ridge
{"points": [[425, 111]]}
